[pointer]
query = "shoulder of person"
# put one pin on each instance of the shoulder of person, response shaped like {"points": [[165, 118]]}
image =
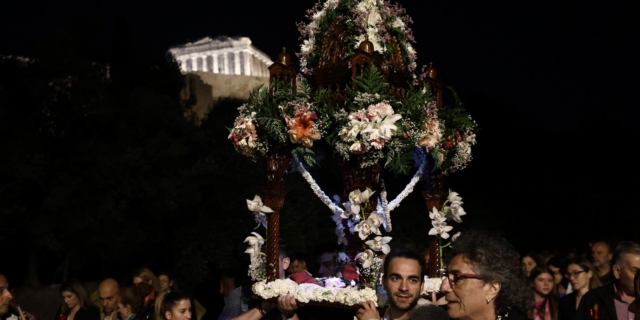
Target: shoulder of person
{"points": [[604, 291], [426, 309]]}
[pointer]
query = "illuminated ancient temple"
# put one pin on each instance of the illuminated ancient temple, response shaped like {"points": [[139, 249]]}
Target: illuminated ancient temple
{"points": [[223, 55]]}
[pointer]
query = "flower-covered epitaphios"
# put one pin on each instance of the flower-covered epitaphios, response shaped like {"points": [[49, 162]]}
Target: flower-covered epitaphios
{"points": [[385, 25]]}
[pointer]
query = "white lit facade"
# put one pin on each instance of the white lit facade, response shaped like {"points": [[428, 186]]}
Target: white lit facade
{"points": [[222, 55]]}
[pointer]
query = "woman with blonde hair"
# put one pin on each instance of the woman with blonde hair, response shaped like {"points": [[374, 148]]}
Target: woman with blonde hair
{"points": [[147, 276], [582, 275]]}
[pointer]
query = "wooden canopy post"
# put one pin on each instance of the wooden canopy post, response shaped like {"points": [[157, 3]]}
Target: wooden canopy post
{"points": [[435, 197], [273, 193]]}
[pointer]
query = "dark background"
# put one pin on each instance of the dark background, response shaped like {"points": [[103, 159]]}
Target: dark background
{"points": [[551, 84]]}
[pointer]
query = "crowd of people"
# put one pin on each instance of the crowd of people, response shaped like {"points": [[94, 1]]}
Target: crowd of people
{"points": [[149, 298], [485, 278]]}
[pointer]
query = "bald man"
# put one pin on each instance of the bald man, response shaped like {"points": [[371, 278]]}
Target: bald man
{"points": [[109, 293], [5, 301]]}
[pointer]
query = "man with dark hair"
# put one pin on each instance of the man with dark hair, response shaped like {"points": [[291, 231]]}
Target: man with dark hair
{"points": [[601, 256], [613, 300], [298, 264], [5, 302], [403, 280]]}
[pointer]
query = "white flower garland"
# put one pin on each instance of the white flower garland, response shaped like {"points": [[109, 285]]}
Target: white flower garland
{"points": [[311, 292], [316, 188], [409, 188], [383, 208]]}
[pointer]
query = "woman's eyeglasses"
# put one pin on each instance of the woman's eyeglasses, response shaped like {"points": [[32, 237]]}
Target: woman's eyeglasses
{"points": [[455, 277], [574, 274]]}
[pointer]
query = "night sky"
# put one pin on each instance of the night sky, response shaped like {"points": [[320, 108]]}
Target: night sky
{"points": [[553, 85]]}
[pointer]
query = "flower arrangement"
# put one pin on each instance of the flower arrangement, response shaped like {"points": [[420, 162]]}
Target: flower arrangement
{"points": [[382, 22], [457, 135], [281, 119], [375, 127]]}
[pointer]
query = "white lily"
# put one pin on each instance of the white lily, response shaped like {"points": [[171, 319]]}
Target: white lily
{"points": [[380, 244], [375, 221], [441, 229], [357, 197], [363, 229], [437, 215], [256, 205], [454, 197], [456, 211], [255, 244], [382, 127], [365, 258], [455, 236]]}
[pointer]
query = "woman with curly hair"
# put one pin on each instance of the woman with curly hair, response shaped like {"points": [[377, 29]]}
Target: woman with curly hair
{"points": [[484, 279], [544, 293], [583, 276]]}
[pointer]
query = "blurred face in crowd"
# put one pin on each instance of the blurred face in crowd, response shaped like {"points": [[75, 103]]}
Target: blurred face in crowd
{"points": [[180, 311], [124, 310], [5, 295], [527, 265], [601, 254], [165, 283], [403, 283], [578, 277], [327, 265], [227, 285], [297, 266], [557, 276], [70, 299], [624, 274], [542, 284], [109, 293], [138, 280], [467, 296]]}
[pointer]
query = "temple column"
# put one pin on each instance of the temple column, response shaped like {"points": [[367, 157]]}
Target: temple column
{"points": [[214, 57], [194, 64], [226, 63], [183, 63], [204, 63], [247, 62], [236, 62]]}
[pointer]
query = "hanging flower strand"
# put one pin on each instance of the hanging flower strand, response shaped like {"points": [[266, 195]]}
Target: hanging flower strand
{"points": [[451, 209], [259, 210]]}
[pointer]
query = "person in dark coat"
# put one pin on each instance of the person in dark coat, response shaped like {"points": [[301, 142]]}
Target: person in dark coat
{"points": [[583, 277], [75, 303], [612, 301]]}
